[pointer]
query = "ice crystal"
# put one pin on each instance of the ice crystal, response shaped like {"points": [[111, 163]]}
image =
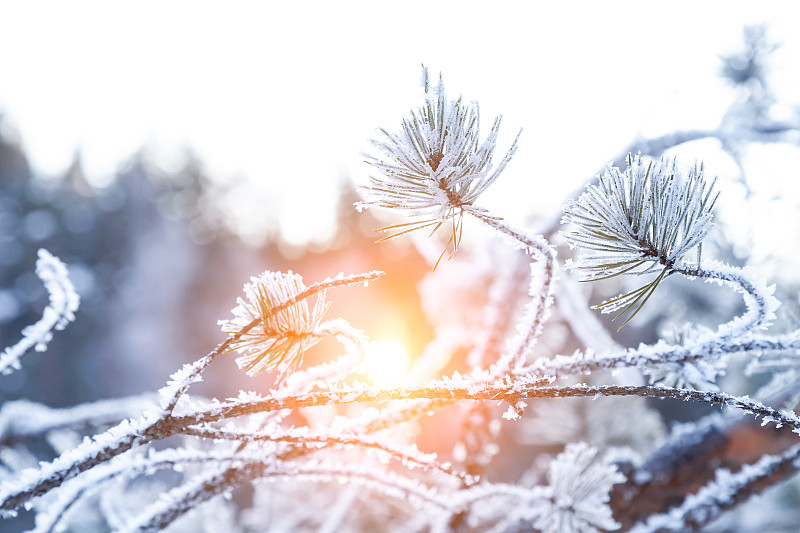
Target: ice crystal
{"points": [[579, 485], [642, 220], [436, 167], [279, 340]]}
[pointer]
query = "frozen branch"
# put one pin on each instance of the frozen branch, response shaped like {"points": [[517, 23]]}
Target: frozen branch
{"points": [[543, 267], [661, 352], [409, 456], [184, 498], [722, 493], [506, 391], [60, 311], [758, 298], [124, 467]]}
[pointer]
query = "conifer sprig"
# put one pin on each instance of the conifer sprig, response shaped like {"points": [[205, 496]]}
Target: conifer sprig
{"points": [[640, 221], [281, 338], [436, 166]]}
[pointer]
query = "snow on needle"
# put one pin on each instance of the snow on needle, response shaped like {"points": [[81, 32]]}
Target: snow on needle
{"points": [[640, 221], [436, 167], [281, 338]]}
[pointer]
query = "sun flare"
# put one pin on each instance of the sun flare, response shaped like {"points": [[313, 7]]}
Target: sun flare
{"points": [[387, 363]]}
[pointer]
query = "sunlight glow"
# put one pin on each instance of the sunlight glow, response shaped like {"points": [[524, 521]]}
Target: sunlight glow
{"points": [[387, 363]]}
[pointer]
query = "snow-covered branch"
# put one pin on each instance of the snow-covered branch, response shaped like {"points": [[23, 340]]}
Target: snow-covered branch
{"points": [[660, 352], [724, 492], [60, 311], [509, 391], [543, 276], [409, 456]]}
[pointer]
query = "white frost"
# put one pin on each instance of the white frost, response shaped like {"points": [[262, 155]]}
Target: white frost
{"points": [[60, 311]]}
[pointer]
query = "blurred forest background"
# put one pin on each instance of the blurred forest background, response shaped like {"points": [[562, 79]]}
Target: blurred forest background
{"points": [[156, 269]]}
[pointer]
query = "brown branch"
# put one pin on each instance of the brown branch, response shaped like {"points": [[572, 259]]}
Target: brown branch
{"points": [[511, 392], [684, 466]]}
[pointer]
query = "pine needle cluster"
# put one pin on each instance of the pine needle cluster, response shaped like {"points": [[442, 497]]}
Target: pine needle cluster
{"points": [[640, 221], [436, 166], [280, 339]]}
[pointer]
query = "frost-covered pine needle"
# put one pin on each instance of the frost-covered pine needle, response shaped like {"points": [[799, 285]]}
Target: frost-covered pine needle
{"points": [[580, 484], [60, 311], [436, 166], [640, 221], [281, 338]]}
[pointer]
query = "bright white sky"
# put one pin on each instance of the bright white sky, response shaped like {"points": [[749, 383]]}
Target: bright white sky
{"points": [[287, 95]]}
